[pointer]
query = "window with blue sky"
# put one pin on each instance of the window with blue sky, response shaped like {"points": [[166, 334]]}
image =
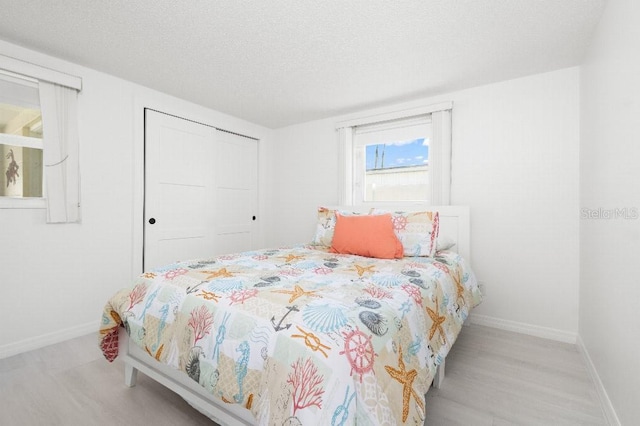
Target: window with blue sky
{"points": [[391, 155]]}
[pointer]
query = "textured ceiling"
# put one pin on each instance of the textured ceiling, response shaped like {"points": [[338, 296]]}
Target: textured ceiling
{"points": [[276, 62]]}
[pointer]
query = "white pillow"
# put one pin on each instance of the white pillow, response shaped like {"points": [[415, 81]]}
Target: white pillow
{"points": [[444, 243]]}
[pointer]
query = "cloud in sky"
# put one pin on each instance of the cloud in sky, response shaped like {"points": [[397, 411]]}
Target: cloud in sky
{"points": [[425, 142], [410, 153]]}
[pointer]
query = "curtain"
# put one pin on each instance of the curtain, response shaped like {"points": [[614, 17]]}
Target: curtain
{"points": [[60, 152], [440, 158], [345, 166]]}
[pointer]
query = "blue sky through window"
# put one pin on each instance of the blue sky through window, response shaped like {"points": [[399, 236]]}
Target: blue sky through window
{"points": [[397, 154]]}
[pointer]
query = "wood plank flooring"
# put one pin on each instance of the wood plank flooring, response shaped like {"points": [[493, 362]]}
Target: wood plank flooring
{"points": [[493, 377]]}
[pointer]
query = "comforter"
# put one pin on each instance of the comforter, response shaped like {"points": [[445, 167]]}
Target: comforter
{"points": [[300, 335]]}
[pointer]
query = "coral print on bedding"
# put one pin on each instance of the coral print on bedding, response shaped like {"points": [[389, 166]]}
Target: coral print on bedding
{"points": [[301, 335]]}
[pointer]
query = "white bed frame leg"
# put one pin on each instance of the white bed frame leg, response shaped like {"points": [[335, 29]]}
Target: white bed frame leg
{"points": [[130, 375], [439, 377]]}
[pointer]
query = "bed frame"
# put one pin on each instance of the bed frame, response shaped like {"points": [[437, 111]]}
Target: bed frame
{"points": [[454, 223]]}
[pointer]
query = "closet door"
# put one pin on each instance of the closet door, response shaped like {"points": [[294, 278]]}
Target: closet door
{"points": [[179, 190], [236, 192], [200, 191]]}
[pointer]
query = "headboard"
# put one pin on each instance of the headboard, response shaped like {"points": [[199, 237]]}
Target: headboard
{"points": [[454, 221]]}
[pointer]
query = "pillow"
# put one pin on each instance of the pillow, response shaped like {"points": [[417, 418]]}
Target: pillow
{"points": [[418, 231], [370, 236], [325, 226], [444, 243]]}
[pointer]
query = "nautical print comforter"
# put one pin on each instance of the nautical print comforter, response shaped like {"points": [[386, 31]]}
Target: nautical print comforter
{"points": [[300, 335]]}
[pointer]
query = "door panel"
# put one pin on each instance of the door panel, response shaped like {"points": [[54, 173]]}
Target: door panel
{"points": [[179, 189], [236, 192]]}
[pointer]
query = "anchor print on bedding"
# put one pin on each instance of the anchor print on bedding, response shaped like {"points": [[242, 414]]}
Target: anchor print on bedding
{"points": [[300, 335]]}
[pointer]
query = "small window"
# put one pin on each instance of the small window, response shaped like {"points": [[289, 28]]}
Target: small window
{"points": [[391, 160], [396, 155], [21, 169]]}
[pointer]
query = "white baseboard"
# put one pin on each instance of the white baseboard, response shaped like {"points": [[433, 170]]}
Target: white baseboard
{"points": [[520, 327], [48, 339], [607, 407]]}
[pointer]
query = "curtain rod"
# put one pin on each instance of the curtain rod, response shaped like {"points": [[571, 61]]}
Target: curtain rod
{"points": [[38, 72], [18, 76]]}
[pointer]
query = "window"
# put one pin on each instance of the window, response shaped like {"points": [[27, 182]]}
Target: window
{"points": [[20, 139], [397, 156], [391, 160], [39, 142]]}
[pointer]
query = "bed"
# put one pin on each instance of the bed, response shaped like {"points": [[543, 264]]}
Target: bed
{"points": [[302, 335]]}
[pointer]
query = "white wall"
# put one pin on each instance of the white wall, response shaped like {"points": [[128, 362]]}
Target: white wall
{"points": [[55, 279], [515, 163], [610, 178]]}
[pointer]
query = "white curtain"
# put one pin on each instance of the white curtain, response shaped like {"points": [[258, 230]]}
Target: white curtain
{"points": [[440, 158], [345, 166], [60, 156]]}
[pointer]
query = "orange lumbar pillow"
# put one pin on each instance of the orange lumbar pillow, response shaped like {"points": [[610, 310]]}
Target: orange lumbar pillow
{"points": [[370, 236]]}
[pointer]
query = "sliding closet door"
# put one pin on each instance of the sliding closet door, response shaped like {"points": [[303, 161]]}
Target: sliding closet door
{"points": [[236, 192], [200, 191], [180, 190]]}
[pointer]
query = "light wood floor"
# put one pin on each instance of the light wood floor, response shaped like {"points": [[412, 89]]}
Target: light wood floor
{"points": [[493, 377]]}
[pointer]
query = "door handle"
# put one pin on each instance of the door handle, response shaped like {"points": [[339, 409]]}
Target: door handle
{"points": [[152, 221]]}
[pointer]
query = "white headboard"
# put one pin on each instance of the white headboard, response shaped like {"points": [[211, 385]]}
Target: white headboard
{"points": [[454, 221]]}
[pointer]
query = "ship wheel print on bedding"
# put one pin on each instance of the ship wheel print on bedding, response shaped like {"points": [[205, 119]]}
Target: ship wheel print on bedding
{"points": [[359, 352]]}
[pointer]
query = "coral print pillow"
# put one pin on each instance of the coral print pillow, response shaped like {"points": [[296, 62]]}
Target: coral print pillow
{"points": [[417, 231], [326, 226]]}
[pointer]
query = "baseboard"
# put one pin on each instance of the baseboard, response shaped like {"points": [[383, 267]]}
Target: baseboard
{"points": [[607, 407], [520, 327], [48, 339]]}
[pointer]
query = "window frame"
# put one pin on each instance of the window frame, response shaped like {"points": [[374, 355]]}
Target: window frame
{"points": [[439, 152], [359, 155], [32, 73], [8, 202]]}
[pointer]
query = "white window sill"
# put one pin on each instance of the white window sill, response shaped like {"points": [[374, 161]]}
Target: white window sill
{"points": [[22, 203]]}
